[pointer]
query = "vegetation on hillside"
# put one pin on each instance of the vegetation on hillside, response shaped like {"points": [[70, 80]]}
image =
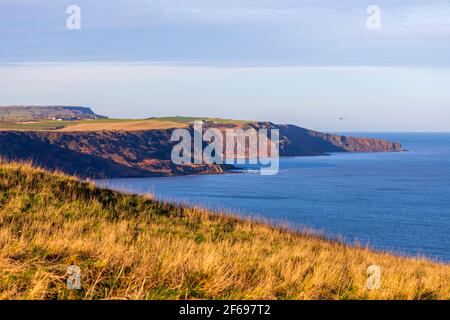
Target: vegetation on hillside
{"points": [[88, 125], [132, 247], [192, 119], [108, 124], [41, 125]]}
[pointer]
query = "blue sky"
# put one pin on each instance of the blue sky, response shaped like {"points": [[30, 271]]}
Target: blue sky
{"points": [[303, 62]]}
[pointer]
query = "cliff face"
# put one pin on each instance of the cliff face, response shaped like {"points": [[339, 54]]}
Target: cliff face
{"points": [[147, 153], [296, 141], [100, 154]]}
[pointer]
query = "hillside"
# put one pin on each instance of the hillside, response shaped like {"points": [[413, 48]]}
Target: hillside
{"points": [[33, 113], [132, 247], [134, 151]]}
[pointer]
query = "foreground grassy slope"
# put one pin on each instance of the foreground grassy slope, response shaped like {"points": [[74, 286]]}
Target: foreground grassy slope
{"points": [[135, 248]]}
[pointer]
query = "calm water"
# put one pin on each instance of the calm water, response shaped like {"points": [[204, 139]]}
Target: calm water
{"points": [[394, 201]]}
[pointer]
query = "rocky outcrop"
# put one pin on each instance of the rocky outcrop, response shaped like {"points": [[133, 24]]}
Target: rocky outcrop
{"points": [[297, 141], [147, 153]]}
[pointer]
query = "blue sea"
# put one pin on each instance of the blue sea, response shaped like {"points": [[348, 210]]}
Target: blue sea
{"points": [[398, 202]]}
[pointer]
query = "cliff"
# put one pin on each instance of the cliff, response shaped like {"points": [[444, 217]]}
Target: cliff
{"points": [[147, 152], [297, 141], [99, 154]]}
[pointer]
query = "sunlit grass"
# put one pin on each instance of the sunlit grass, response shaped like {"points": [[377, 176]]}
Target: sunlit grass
{"points": [[52, 125], [132, 247]]}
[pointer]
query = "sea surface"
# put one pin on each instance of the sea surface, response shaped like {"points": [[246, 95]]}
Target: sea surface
{"points": [[398, 202]]}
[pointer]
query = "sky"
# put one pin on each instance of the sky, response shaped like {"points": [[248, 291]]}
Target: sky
{"points": [[306, 62]]}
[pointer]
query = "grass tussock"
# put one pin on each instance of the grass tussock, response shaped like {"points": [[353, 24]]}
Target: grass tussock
{"points": [[132, 247]]}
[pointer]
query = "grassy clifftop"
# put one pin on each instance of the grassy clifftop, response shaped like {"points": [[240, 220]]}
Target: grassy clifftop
{"points": [[15, 123], [133, 247]]}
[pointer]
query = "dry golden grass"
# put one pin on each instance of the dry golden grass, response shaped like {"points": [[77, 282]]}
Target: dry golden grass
{"points": [[131, 125], [131, 247]]}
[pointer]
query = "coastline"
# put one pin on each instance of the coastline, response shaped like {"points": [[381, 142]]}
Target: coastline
{"points": [[147, 153], [366, 197]]}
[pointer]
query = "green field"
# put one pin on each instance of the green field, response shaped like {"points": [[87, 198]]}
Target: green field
{"points": [[50, 125], [192, 119]]}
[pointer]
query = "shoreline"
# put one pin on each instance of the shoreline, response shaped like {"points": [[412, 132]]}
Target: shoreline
{"points": [[147, 153], [190, 192], [284, 226]]}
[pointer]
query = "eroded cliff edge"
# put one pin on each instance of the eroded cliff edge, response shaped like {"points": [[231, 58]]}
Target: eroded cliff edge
{"points": [[103, 154]]}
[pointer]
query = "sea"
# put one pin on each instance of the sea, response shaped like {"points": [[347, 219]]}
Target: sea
{"points": [[395, 202]]}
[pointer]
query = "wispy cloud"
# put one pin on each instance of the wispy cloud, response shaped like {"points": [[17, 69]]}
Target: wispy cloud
{"points": [[257, 31]]}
